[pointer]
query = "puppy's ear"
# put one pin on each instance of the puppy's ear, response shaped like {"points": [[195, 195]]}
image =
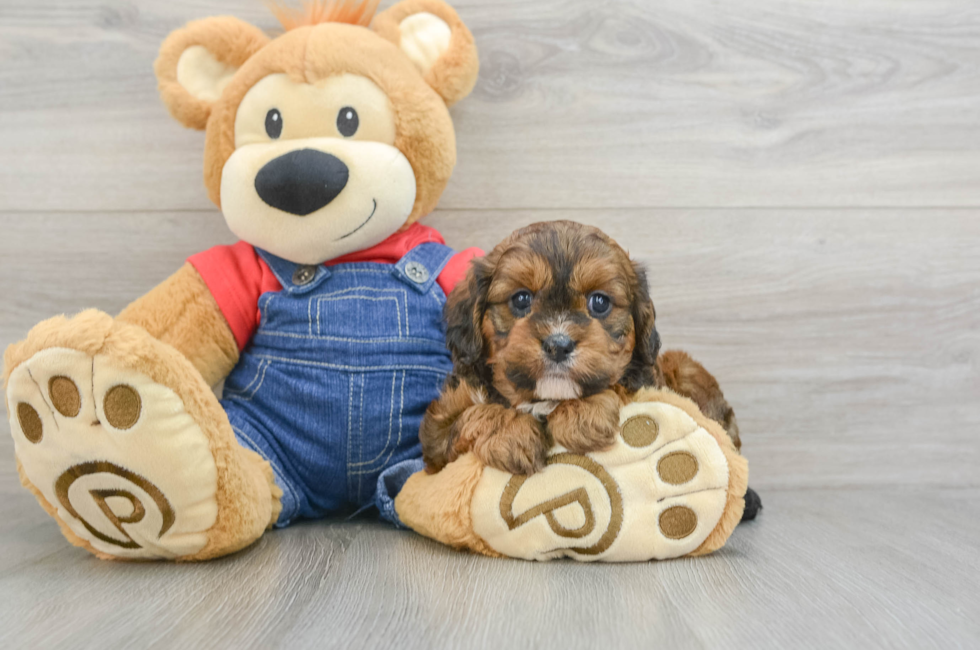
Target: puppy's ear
{"points": [[464, 314], [640, 371], [431, 34], [196, 62]]}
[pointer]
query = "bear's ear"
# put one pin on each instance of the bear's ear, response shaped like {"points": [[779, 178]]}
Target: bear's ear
{"points": [[433, 37], [196, 62]]}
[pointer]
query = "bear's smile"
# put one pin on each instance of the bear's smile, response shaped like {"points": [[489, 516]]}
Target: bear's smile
{"points": [[364, 223]]}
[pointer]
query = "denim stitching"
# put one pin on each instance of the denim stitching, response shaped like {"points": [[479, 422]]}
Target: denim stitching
{"points": [[401, 412], [350, 442], [381, 271], [309, 316], [360, 432], [391, 413], [398, 441], [240, 394], [343, 339], [284, 311], [362, 287], [264, 308], [398, 310], [438, 294], [337, 366], [340, 293]]}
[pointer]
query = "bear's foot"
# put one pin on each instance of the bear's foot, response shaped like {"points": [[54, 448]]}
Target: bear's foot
{"points": [[671, 485], [131, 466]]}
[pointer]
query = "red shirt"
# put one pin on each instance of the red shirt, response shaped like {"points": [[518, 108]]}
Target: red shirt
{"points": [[237, 276]]}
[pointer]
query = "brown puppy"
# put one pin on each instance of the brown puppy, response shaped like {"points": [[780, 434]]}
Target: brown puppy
{"points": [[550, 334]]}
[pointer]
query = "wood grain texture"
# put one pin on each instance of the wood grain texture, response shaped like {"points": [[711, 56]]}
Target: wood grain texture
{"points": [[800, 179], [820, 569], [848, 342], [690, 103]]}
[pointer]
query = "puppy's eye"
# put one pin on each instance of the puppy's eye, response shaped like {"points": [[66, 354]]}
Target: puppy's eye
{"points": [[273, 123], [599, 304], [347, 121], [520, 302]]}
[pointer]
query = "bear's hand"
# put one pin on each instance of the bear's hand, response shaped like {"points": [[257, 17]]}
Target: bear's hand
{"points": [[182, 313]]}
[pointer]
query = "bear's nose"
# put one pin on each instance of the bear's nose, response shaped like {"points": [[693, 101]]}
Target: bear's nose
{"points": [[302, 181], [558, 347]]}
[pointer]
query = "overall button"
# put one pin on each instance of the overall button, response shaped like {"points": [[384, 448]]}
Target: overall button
{"points": [[303, 275], [417, 272]]}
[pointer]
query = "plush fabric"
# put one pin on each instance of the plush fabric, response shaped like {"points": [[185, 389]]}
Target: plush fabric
{"points": [[246, 497], [165, 350], [454, 73], [182, 313], [189, 483], [229, 40], [673, 488], [423, 125]]}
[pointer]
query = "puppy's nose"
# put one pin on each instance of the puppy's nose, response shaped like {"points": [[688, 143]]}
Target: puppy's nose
{"points": [[302, 181], [558, 347]]}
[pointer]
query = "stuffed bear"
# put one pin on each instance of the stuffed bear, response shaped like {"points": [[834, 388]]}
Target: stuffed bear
{"points": [[324, 147]]}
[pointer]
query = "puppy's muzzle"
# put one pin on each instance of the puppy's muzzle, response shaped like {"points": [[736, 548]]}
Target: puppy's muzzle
{"points": [[301, 182], [558, 347]]}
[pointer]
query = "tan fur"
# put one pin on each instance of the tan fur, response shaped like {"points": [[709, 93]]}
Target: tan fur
{"points": [[182, 313], [438, 505], [230, 40], [738, 467], [175, 334], [307, 54], [248, 500], [457, 69]]}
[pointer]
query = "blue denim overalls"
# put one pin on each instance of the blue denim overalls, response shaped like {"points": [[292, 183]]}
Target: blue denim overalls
{"points": [[332, 388]]}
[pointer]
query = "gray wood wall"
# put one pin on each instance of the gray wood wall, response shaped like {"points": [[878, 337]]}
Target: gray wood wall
{"points": [[802, 181]]}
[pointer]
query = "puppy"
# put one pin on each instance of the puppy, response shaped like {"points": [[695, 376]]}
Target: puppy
{"points": [[550, 334]]}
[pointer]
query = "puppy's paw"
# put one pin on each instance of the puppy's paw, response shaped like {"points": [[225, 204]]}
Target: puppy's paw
{"points": [[501, 438], [586, 425], [519, 448]]}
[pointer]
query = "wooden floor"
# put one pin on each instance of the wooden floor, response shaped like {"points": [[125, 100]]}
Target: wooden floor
{"points": [[802, 181]]}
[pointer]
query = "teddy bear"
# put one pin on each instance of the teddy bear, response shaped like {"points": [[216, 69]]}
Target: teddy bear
{"points": [[323, 148]]}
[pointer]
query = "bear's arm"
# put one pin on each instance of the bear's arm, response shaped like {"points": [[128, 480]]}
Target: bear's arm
{"points": [[181, 312]]}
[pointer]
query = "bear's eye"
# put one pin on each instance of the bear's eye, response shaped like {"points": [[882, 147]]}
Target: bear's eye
{"points": [[347, 121], [520, 302], [273, 123], [600, 304]]}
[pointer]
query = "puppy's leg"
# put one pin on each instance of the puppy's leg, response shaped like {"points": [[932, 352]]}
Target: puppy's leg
{"points": [[435, 433], [502, 438], [687, 377], [587, 424]]}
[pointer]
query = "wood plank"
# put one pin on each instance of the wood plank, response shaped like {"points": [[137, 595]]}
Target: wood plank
{"points": [[847, 340], [868, 569], [681, 103]]}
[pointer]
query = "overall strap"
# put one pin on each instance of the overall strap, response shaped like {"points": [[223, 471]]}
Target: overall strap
{"points": [[421, 266], [295, 278]]}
